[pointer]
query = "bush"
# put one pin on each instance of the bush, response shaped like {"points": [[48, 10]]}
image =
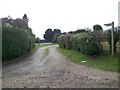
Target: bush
{"points": [[16, 42], [99, 36], [75, 42], [61, 41], [65, 41], [85, 43]]}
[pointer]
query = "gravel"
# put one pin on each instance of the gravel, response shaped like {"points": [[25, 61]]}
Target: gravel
{"points": [[54, 71]]}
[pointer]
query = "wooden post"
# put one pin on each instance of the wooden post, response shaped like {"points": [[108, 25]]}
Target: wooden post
{"points": [[112, 38]]}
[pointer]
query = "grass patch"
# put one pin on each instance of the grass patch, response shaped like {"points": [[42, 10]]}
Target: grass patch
{"points": [[105, 61], [46, 52], [39, 46]]}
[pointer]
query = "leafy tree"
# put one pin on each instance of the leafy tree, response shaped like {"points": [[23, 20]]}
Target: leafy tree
{"points": [[56, 33], [98, 33], [99, 36], [7, 21], [25, 19], [19, 23], [97, 28], [64, 33], [48, 34], [80, 31], [85, 43], [38, 40]]}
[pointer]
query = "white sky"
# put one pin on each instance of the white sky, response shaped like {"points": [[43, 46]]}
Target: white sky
{"points": [[67, 15]]}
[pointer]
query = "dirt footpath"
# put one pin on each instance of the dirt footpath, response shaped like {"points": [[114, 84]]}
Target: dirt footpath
{"points": [[54, 71]]}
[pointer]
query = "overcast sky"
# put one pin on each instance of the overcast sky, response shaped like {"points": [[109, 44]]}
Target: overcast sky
{"points": [[67, 15]]}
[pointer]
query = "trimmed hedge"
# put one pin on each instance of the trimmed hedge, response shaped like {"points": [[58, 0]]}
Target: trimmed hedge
{"points": [[65, 41], [16, 42], [61, 41], [85, 43]]}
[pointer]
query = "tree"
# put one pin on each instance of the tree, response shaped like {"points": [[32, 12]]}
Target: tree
{"points": [[19, 23], [97, 28], [56, 33], [98, 33], [25, 19], [38, 40], [48, 34], [99, 36], [7, 21], [80, 31]]}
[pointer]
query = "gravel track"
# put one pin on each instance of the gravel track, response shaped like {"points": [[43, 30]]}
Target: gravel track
{"points": [[54, 71]]}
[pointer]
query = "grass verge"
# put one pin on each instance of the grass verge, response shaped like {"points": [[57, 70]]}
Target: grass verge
{"points": [[39, 46], [105, 61], [46, 52]]}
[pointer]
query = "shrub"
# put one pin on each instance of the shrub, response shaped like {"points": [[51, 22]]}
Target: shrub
{"points": [[67, 41], [99, 36], [85, 43], [75, 42], [55, 38], [61, 41], [16, 42]]}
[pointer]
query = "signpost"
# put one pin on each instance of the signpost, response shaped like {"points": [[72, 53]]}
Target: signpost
{"points": [[119, 13], [112, 36]]}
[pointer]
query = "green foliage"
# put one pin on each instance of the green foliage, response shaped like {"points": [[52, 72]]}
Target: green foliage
{"points": [[48, 34], [61, 41], [37, 40], [77, 31], [80, 31], [56, 33], [85, 43], [67, 41], [16, 42], [99, 36], [97, 28], [19, 23], [105, 61], [64, 41]]}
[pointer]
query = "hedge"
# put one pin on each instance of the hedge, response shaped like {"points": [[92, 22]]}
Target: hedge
{"points": [[65, 41], [61, 41], [86, 43], [16, 42]]}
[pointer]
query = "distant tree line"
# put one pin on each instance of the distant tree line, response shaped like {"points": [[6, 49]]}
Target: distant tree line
{"points": [[51, 36]]}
